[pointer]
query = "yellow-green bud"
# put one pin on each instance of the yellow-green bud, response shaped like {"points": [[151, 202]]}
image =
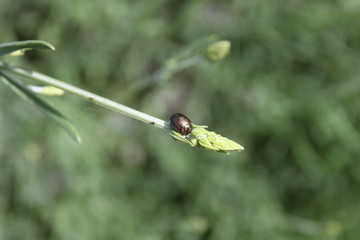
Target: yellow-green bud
{"points": [[200, 137], [18, 53], [52, 91], [47, 90], [218, 50]]}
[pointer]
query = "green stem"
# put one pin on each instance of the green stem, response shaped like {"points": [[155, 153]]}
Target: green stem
{"points": [[189, 62], [173, 66], [84, 94]]}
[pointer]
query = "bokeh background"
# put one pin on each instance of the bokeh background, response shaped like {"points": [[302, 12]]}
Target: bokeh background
{"points": [[289, 93]]}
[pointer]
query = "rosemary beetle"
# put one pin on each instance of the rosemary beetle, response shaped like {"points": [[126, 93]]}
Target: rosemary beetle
{"points": [[180, 123]]}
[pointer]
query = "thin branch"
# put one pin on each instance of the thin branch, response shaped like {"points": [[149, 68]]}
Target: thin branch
{"points": [[85, 95]]}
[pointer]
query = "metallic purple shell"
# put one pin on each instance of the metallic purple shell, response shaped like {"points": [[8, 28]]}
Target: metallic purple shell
{"points": [[180, 123]]}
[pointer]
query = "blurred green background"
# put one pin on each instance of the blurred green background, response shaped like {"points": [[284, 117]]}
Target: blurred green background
{"points": [[289, 93]]}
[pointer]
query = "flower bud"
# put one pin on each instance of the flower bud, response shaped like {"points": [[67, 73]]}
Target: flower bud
{"points": [[218, 50], [47, 90], [200, 137]]}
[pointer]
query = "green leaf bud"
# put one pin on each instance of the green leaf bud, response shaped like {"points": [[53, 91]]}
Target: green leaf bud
{"points": [[201, 137], [47, 90], [218, 51]]}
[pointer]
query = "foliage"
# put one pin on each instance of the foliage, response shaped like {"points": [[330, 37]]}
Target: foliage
{"points": [[288, 92]]}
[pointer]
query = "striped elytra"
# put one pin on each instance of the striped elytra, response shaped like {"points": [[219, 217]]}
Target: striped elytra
{"points": [[180, 123]]}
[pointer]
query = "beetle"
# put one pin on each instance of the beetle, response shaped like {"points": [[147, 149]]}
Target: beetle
{"points": [[180, 123]]}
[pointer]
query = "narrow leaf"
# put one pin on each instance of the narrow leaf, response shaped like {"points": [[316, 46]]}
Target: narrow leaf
{"points": [[7, 48], [47, 109]]}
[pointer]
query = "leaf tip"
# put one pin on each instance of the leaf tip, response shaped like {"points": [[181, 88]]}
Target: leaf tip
{"points": [[78, 139]]}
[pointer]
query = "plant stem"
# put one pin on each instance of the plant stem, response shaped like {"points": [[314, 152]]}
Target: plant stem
{"points": [[84, 94], [189, 62], [165, 73]]}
